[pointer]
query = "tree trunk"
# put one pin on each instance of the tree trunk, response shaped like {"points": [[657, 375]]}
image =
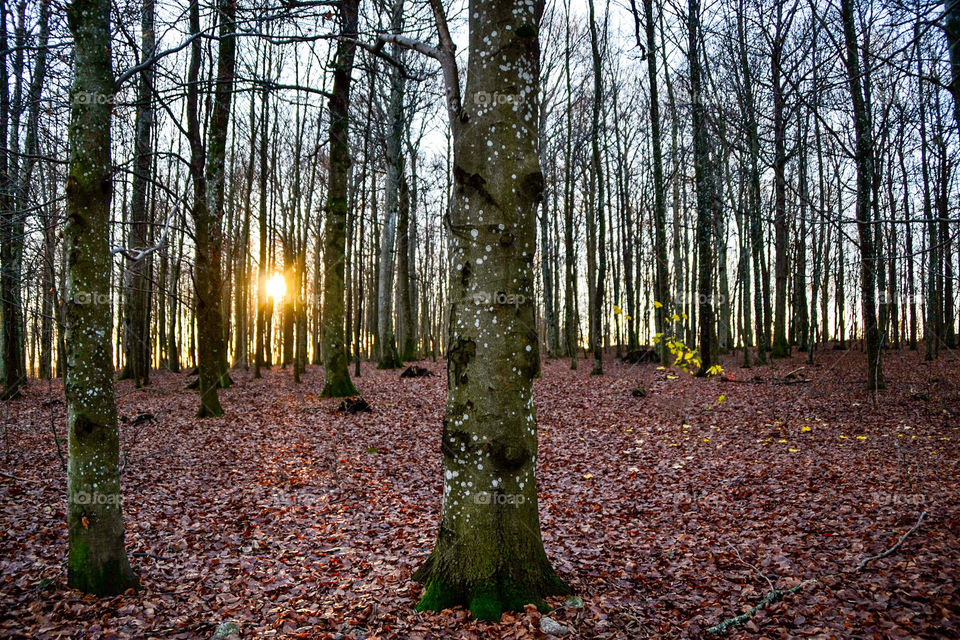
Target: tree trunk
{"points": [[207, 171], [404, 304], [337, 381], [137, 288], [705, 176], [864, 160], [489, 555], [781, 347], [97, 561], [11, 223], [596, 308]]}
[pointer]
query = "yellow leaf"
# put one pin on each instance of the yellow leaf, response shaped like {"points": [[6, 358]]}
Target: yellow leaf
{"points": [[657, 305], [792, 450], [861, 437], [617, 310], [587, 476], [805, 429]]}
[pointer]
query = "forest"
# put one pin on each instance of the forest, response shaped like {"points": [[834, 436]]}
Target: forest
{"points": [[479, 319]]}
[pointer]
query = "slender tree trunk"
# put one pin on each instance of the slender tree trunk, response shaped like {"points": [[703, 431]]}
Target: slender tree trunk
{"points": [[706, 193], [337, 381], [596, 308], [137, 288], [865, 155], [97, 561], [781, 346], [11, 222], [569, 295], [952, 29], [207, 168], [661, 283], [262, 267], [404, 304]]}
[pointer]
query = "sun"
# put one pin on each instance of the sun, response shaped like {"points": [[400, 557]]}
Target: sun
{"points": [[276, 286]]}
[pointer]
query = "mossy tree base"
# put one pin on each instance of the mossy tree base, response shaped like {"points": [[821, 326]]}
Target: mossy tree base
{"points": [[108, 579], [339, 388], [489, 598]]}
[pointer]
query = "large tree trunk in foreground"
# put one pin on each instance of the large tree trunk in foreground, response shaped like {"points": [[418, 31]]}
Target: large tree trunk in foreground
{"points": [[97, 561], [864, 140], [489, 555], [337, 381]]}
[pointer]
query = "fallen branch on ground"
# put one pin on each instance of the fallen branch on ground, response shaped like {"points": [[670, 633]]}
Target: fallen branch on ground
{"points": [[778, 594], [772, 597], [892, 549]]}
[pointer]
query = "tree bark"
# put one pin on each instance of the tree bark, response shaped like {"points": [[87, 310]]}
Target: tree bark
{"points": [[864, 161], [137, 288], [97, 560], [489, 554], [337, 381]]}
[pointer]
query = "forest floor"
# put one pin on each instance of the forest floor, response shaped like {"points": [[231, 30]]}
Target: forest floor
{"points": [[666, 513]]}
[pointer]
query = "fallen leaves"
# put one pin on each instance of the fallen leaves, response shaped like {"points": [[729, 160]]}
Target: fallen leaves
{"points": [[292, 520]]}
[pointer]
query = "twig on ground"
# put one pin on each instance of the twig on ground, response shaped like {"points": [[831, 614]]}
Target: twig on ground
{"points": [[773, 596], [144, 554], [13, 477], [891, 550], [777, 594]]}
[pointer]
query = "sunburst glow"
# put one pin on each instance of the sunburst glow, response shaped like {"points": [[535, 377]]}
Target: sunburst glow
{"points": [[276, 286]]}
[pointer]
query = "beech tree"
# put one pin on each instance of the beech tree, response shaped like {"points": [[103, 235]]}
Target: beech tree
{"points": [[97, 561], [337, 381], [488, 554]]}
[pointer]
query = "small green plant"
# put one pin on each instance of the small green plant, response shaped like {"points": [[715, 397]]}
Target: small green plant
{"points": [[685, 357]]}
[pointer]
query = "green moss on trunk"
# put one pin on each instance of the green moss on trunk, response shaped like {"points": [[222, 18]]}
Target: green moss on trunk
{"points": [[489, 555], [97, 559]]}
